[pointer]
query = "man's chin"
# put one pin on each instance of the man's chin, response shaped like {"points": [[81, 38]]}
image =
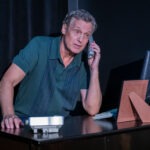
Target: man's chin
{"points": [[76, 51]]}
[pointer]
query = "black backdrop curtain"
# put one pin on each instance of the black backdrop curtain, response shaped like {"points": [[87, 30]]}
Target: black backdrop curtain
{"points": [[20, 20]]}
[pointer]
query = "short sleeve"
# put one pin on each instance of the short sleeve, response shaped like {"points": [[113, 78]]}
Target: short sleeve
{"points": [[28, 57]]}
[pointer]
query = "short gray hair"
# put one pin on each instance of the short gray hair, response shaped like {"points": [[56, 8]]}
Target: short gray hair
{"points": [[80, 14]]}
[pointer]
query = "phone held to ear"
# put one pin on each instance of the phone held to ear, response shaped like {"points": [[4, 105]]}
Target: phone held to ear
{"points": [[90, 50]]}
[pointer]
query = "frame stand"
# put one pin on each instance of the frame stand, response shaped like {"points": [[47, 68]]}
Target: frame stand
{"points": [[132, 104], [141, 107]]}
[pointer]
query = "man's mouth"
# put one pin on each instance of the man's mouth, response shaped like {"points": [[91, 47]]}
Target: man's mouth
{"points": [[77, 46]]}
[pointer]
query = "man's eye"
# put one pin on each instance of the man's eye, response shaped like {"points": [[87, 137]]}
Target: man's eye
{"points": [[77, 31], [87, 35]]}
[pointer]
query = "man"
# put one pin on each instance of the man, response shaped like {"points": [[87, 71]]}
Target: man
{"points": [[53, 74]]}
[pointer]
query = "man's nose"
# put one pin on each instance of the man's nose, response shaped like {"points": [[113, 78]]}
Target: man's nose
{"points": [[81, 37]]}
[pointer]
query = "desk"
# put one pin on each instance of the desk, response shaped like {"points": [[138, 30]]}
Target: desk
{"points": [[81, 132]]}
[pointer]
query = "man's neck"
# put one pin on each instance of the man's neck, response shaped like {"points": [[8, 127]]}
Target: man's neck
{"points": [[66, 56]]}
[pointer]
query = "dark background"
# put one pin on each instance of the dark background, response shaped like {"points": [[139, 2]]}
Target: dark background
{"points": [[21, 20], [123, 34]]}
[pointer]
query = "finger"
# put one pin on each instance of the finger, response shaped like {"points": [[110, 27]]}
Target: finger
{"points": [[97, 48], [2, 124], [11, 122], [18, 122], [94, 45], [97, 53], [6, 122]]}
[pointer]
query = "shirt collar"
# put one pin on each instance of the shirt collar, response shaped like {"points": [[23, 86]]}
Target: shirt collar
{"points": [[55, 52]]}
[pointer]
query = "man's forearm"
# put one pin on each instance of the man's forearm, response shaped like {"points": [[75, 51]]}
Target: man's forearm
{"points": [[10, 120], [94, 96], [6, 97]]}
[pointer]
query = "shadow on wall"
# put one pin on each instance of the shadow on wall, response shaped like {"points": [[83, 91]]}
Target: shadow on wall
{"points": [[131, 71]]}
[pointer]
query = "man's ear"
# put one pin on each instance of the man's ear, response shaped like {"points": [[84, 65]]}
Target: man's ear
{"points": [[64, 29]]}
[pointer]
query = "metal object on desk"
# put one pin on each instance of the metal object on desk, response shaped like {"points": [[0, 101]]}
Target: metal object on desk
{"points": [[50, 124]]}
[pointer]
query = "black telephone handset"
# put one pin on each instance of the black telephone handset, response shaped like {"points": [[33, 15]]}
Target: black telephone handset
{"points": [[90, 50]]}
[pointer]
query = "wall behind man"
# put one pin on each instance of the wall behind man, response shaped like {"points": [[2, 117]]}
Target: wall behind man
{"points": [[21, 20], [124, 37]]}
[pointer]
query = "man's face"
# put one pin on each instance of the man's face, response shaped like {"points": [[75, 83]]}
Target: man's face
{"points": [[76, 35]]}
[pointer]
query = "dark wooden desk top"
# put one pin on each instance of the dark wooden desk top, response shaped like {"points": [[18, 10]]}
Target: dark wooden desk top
{"points": [[75, 128]]}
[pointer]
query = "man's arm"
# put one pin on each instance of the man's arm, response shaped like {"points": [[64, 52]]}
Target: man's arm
{"points": [[92, 98], [10, 79]]}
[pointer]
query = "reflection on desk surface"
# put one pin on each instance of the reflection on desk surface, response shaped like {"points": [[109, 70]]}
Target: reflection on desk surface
{"points": [[131, 124], [74, 127]]}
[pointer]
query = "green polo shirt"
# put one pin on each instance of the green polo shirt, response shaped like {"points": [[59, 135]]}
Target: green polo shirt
{"points": [[48, 87]]}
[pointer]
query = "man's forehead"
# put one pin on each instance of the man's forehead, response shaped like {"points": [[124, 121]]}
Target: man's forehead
{"points": [[78, 23], [75, 21]]}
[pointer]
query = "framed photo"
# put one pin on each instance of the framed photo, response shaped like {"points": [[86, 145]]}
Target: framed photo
{"points": [[132, 100]]}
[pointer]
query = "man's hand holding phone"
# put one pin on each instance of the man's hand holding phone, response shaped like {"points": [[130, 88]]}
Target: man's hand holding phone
{"points": [[93, 54]]}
